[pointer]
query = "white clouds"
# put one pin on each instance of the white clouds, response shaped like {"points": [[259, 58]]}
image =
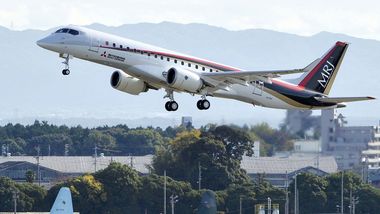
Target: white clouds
{"points": [[357, 18]]}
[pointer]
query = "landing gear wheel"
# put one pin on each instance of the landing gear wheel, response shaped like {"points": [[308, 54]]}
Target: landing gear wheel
{"points": [[203, 104], [171, 106], [167, 106], [65, 71], [199, 105]]}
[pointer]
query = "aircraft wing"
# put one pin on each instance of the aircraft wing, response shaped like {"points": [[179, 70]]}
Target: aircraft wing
{"points": [[250, 74], [223, 79], [342, 99]]}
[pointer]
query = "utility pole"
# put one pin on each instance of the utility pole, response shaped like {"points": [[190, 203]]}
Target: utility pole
{"points": [[131, 161], [269, 206], [164, 191], [240, 205], [295, 194], [199, 176], [95, 156], [173, 200], [341, 195], [15, 193], [287, 194], [38, 166], [355, 201], [350, 201]]}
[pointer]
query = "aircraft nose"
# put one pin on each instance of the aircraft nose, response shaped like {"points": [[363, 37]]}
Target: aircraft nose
{"points": [[43, 43]]}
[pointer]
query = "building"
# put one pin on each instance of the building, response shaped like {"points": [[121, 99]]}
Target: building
{"points": [[278, 170], [307, 147], [256, 149], [187, 121], [299, 122], [56, 168], [345, 143]]}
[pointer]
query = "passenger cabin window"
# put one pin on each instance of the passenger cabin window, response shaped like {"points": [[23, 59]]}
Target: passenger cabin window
{"points": [[189, 65], [114, 45], [162, 57], [127, 48], [168, 59], [121, 46], [107, 43], [155, 56], [203, 68], [182, 63], [175, 61], [196, 66], [210, 70]]}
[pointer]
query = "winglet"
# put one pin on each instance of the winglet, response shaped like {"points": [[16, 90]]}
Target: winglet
{"points": [[63, 203]]}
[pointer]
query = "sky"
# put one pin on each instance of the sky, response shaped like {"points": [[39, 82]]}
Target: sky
{"points": [[351, 17]]}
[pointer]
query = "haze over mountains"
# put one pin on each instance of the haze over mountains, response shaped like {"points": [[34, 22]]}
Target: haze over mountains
{"points": [[32, 85]]}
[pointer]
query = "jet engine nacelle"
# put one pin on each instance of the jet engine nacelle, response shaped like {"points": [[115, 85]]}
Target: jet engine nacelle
{"points": [[125, 83], [184, 80]]}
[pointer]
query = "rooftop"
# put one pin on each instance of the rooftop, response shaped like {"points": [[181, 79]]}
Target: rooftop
{"points": [[283, 165], [83, 164]]}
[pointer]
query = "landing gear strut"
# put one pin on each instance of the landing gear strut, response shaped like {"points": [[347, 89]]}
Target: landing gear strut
{"points": [[170, 105], [203, 104], [66, 71]]}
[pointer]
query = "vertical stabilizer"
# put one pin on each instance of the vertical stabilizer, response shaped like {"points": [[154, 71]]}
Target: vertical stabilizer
{"points": [[63, 204], [321, 75]]}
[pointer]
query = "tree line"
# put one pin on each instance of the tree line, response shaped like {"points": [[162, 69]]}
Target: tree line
{"points": [[215, 150], [48, 139]]}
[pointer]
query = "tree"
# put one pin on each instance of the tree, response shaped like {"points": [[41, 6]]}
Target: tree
{"points": [[29, 195], [351, 182], [310, 188], [217, 151], [121, 185], [152, 190], [30, 176], [88, 194], [369, 198]]}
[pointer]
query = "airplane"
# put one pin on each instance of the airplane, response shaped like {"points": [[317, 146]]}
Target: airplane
{"points": [[63, 203], [142, 67]]}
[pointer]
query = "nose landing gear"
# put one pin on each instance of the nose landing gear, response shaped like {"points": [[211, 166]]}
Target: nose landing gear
{"points": [[66, 71]]}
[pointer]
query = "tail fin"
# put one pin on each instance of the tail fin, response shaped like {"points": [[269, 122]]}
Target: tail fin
{"points": [[63, 203], [321, 73]]}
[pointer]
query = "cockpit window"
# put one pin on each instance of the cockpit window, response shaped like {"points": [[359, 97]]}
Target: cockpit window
{"points": [[73, 32], [67, 30]]}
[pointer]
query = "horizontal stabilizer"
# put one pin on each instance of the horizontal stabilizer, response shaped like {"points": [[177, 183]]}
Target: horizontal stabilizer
{"points": [[342, 99]]}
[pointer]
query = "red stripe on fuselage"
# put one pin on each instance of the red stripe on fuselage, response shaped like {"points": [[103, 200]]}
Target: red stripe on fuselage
{"points": [[287, 85], [204, 62]]}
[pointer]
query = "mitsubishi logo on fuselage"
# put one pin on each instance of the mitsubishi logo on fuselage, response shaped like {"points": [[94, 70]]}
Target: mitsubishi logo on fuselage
{"points": [[327, 70]]}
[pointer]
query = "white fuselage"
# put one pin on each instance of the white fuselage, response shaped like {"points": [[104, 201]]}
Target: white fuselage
{"points": [[150, 63]]}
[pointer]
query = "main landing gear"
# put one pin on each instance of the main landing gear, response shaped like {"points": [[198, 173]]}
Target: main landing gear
{"points": [[203, 104], [170, 105], [66, 71]]}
